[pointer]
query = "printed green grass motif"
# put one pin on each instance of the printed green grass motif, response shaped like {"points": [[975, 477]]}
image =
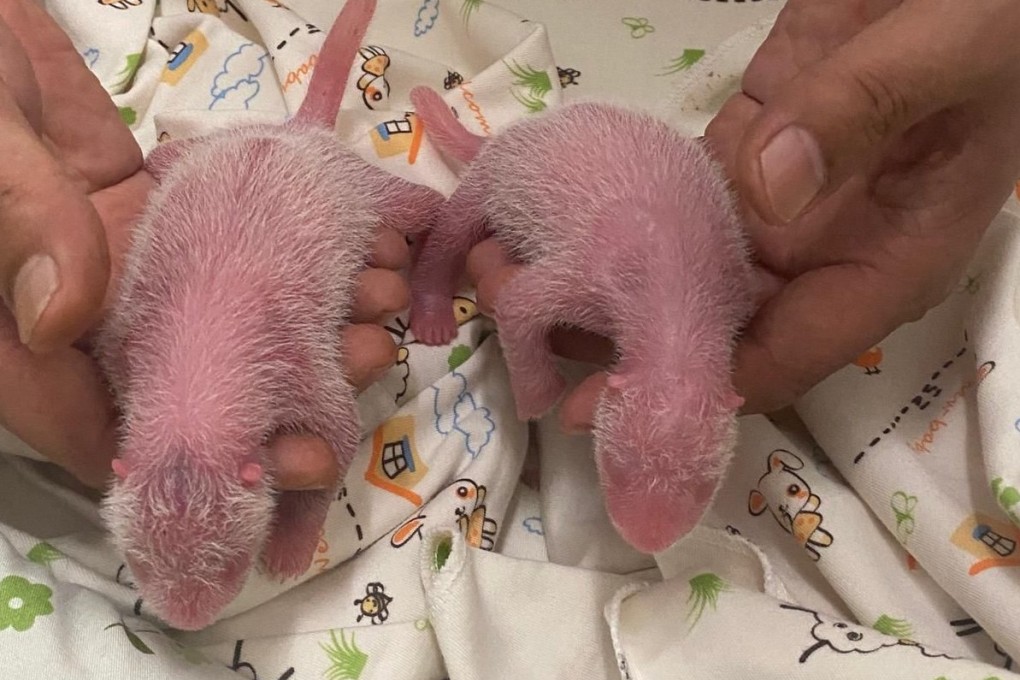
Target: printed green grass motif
{"points": [[458, 355], [531, 103], [639, 26], [897, 628], [43, 553], [443, 550], [132, 637], [903, 506], [689, 58], [127, 114], [132, 61], [469, 7], [536, 82], [705, 590], [190, 655], [1008, 497], [347, 662]]}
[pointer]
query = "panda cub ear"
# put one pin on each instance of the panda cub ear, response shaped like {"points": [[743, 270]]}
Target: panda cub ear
{"points": [[161, 159]]}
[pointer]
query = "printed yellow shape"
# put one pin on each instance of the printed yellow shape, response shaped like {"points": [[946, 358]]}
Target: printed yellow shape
{"points": [[464, 309], [870, 361], [393, 137], [474, 526], [804, 525], [395, 465], [992, 542], [406, 531], [184, 56]]}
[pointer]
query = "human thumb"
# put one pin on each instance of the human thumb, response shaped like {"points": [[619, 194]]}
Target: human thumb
{"points": [[837, 117]]}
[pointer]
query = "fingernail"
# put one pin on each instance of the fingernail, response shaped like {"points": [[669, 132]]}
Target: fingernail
{"points": [[33, 287], [310, 486], [793, 170]]}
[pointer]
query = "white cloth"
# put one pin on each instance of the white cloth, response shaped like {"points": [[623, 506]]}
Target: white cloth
{"points": [[542, 587]]}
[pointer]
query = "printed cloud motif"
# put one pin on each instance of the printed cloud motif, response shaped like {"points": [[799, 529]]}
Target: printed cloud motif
{"points": [[91, 56], [533, 525], [427, 15], [466, 417], [237, 82]]}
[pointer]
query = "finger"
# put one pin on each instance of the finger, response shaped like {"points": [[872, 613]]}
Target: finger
{"points": [[578, 410], [17, 75], [303, 463], [787, 251], [119, 208], [59, 406], [368, 353], [490, 286], [806, 32], [390, 251], [816, 325], [485, 258], [727, 127], [104, 151], [54, 263], [381, 293], [838, 116], [767, 284]]}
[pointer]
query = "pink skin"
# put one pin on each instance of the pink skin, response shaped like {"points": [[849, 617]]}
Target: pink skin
{"points": [[627, 230], [241, 274]]}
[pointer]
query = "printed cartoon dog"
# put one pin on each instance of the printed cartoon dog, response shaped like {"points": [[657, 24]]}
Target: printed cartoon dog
{"points": [[463, 503], [791, 502]]}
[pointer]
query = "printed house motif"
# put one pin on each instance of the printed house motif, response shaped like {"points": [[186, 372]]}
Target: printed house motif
{"points": [[395, 465], [394, 137], [183, 56], [991, 542]]}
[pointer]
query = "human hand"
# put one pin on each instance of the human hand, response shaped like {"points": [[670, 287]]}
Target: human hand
{"points": [[915, 107], [906, 143], [71, 188]]}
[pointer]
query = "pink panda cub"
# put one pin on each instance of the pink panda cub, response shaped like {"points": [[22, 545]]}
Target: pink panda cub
{"points": [[628, 230], [240, 277]]}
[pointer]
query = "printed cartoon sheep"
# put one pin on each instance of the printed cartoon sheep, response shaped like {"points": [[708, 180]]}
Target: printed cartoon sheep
{"points": [[846, 638]]}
